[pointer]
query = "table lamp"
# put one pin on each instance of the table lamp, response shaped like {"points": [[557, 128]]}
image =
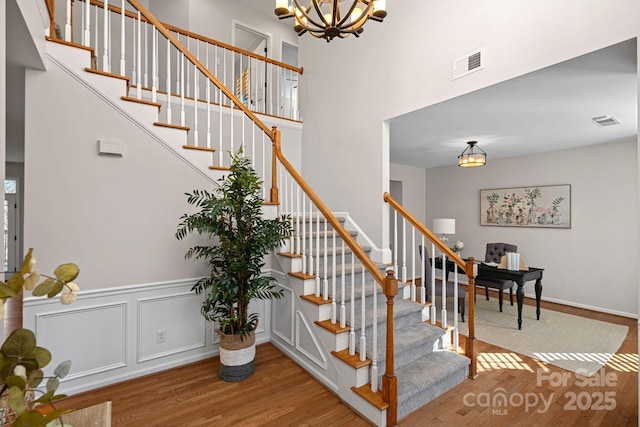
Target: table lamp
{"points": [[444, 226]]}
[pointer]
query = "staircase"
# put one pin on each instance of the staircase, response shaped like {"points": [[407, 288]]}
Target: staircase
{"points": [[333, 319], [425, 369]]}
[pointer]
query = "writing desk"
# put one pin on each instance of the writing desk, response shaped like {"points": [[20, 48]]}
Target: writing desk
{"points": [[518, 276]]}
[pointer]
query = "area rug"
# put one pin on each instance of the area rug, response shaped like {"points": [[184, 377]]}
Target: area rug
{"points": [[574, 343]]}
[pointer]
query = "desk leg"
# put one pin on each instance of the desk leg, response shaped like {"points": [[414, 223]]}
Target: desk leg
{"points": [[520, 298], [538, 295]]}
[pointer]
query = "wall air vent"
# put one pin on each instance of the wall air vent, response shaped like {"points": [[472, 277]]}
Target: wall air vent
{"points": [[605, 121], [468, 64]]}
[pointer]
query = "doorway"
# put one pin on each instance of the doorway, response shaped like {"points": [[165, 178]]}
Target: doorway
{"points": [[11, 229], [251, 80]]}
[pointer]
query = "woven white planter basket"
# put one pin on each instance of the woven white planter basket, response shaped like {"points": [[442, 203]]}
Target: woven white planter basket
{"points": [[237, 357]]}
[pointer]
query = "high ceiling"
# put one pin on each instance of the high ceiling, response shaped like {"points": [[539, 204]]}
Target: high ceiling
{"points": [[547, 110]]}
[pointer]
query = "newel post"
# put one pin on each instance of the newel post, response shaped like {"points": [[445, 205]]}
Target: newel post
{"points": [[275, 144], [470, 345], [389, 380]]}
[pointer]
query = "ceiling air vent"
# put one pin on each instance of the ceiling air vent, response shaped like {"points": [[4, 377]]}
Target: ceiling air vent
{"points": [[605, 121], [474, 61]]}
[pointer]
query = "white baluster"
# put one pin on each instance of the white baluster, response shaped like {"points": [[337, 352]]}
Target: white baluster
{"points": [[318, 253], [139, 59], [95, 37], [188, 83], [67, 22], [304, 235], [444, 291], [343, 307], [363, 313], [86, 39], [310, 260], [168, 81], [404, 250], [264, 169], [208, 92], [413, 264], [196, 137], [455, 310], [395, 243], [292, 239], [134, 50], [154, 63], [352, 309], [423, 273], [123, 68], [334, 305], [182, 73], [178, 54], [105, 51], [325, 280], [146, 56], [297, 242], [224, 79], [374, 333], [433, 284], [110, 47]]}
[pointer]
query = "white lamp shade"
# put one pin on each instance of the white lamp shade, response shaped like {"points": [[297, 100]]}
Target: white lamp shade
{"points": [[444, 226]]}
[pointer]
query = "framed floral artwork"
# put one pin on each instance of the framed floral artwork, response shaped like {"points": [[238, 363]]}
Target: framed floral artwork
{"points": [[540, 206]]}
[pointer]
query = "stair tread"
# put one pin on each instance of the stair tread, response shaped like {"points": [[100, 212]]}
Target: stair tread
{"points": [[427, 378]]}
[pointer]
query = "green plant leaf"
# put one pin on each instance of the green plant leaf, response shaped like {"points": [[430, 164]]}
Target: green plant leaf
{"points": [[35, 378], [67, 272], [52, 384], [16, 381], [7, 291], [16, 282], [24, 268], [16, 400], [19, 344], [57, 287], [42, 356], [63, 369], [44, 288]]}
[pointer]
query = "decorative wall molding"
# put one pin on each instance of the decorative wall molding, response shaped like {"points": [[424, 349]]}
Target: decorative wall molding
{"points": [[110, 334]]}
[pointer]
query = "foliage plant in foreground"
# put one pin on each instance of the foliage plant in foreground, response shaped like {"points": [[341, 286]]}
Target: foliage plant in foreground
{"points": [[231, 216], [21, 359]]}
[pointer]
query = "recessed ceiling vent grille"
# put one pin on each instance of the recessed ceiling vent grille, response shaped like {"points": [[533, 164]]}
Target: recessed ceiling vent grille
{"points": [[605, 121], [468, 64]]}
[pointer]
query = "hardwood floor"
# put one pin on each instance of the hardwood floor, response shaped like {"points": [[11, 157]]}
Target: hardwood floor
{"points": [[281, 393]]}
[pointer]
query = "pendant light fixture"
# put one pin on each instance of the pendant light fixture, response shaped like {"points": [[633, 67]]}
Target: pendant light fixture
{"points": [[327, 19], [472, 156]]}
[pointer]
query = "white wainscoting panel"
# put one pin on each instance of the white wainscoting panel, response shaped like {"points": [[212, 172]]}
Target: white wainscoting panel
{"points": [[110, 334], [306, 342], [283, 315], [103, 333], [165, 316]]}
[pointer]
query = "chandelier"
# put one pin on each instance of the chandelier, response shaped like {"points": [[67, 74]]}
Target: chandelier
{"points": [[472, 156], [326, 19]]}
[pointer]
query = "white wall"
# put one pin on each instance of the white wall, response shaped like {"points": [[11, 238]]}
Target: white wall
{"points": [[413, 189], [351, 86], [593, 264], [113, 216]]}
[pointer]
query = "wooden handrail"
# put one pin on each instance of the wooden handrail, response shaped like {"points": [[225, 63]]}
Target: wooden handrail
{"points": [[469, 269], [425, 231], [388, 283], [160, 27], [188, 33], [350, 241]]}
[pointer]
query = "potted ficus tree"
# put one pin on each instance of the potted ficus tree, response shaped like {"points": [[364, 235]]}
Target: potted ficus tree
{"points": [[240, 237]]}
